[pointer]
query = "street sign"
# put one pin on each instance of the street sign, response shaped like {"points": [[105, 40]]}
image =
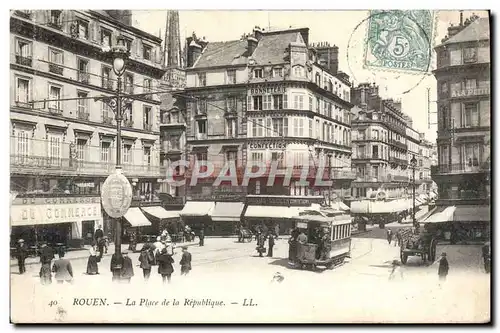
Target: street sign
{"points": [[116, 195]]}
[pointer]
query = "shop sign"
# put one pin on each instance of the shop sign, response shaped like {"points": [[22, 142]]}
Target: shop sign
{"points": [[85, 185], [266, 89], [48, 213], [56, 200], [280, 201], [116, 195], [268, 145]]}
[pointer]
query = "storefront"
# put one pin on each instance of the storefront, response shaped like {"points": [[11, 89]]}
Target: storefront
{"points": [[163, 219], [197, 215], [226, 217], [58, 220], [136, 222], [279, 210]]}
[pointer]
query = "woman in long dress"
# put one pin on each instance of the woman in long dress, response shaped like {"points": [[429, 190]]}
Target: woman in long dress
{"points": [[92, 267]]}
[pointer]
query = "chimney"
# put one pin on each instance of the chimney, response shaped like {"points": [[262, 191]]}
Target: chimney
{"points": [[194, 50], [124, 16], [461, 18], [331, 55], [252, 44]]}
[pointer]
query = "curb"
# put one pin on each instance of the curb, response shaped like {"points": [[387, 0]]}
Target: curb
{"points": [[80, 257]]}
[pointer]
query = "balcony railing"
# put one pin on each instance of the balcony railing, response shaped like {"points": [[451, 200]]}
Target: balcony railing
{"points": [[398, 144], [399, 161], [53, 23], [83, 115], [128, 123], [368, 157], [63, 166], [24, 13], [107, 84], [201, 136], [24, 61], [129, 89], [56, 69], [55, 111], [84, 77], [147, 127], [107, 120], [371, 179], [470, 92], [398, 178], [459, 168]]}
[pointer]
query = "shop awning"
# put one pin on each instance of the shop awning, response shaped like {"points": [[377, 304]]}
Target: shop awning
{"points": [[161, 213], [343, 206], [228, 211], [472, 213], [136, 218], [442, 215], [272, 211], [198, 208]]}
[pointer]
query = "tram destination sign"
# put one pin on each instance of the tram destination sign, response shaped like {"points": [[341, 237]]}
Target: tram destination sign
{"points": [[282, 201]]}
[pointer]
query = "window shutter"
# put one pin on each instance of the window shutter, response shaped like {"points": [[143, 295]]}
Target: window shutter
{"points": [[249, 103], [285, 101], [285, 127]]}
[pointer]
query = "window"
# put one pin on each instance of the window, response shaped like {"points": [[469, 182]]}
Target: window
{"points": [[81, 149], [318, 104], [375, 135], [23, 143], [267, 102], [298, 101], [127, 154], [298, 71], [83, 29], [55, 96], [470, 115], [128, 43], [106, 113], [23, 52], [147, 87], [231, 128], [105, 151], [375, 152], [54, 148], [318, 135], [470, 55], [257, 157], [329, 110], [147, 155], [257, 102], [106, 78], [231, 76], [232, 155], [279, 157], [443, 155], [105, 38], [147, 118], [147, 52], [55, 56], [277, 72], [310, 128], [129, 83], [375, 171], [23, 92], [280, 127], [310, 103], [420, 163], [444, 88], [318, 79], [443, 118], [202, 79], [258, 73], [231, 104], [82, 104], [470, 155], [83, 70], [298, 127], [278, 102], [55, 19], [361, 151], [202, 126], [201, 157], [455, 57]]}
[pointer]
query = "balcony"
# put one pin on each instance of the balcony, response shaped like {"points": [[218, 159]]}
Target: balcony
{"points": [[368, 157], [147, 127], [56, 69], [128, 123], [343, 173], [398, 161], [397, 178], [24, 61], [83, 77], [24, 14], [107, 120], [65, 166], [470, 92], [201, 136], [56, 111], [444, 169], [83, 115], [398, 144], [371, 179], [55, 23], [107, 84], [168, 148], [129, 89]]}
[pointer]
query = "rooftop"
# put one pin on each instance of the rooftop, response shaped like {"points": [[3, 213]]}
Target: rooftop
{"points": [[477, 30]]}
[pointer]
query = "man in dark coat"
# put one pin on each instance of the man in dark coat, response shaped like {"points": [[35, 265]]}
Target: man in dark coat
{"points": [[389, 236], [443, 267], [115, 266], [46, 256], [62, 269], [99, 239], [165, 267], [185, 261], [21, 254], [202, 236], [127, 270], [271, 245], [146, 259]]}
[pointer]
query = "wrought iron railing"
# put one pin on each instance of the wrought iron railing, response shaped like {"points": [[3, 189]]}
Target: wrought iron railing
{"points": [[24, 61], [475, 167], [56, 69]]}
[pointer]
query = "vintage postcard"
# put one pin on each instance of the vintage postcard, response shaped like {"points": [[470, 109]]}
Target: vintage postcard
{"points": [[250, 166]]}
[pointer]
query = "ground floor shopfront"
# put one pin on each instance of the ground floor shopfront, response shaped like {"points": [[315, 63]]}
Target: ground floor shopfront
{"points": [[68, 220]]}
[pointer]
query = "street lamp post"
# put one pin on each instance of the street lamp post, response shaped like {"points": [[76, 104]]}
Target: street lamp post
{"points": [[413, 163]]}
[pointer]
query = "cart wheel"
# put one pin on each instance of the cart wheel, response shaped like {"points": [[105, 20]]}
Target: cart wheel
{"points": [[404, 258]]}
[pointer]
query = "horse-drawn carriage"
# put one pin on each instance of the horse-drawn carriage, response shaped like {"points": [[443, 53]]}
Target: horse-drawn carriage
{"points": [[245, 235], [422, 245]]}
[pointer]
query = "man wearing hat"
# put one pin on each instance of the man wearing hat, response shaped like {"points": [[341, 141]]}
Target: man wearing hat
{"points": [[185, 261], [127, 270], [21, 254], [443, 267], [46, 256]]}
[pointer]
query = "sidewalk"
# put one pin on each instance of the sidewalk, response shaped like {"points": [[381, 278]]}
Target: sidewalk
{"points": [[84, 253]]}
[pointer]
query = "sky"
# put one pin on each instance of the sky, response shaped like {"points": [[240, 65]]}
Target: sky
{"points": [[346, 29]]}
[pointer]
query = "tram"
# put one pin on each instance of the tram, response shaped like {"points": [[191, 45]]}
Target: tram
{"points": [[328, 241]]}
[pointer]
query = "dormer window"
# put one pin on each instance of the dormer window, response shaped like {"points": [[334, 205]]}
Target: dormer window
{"points": [[278, 72], [298, 71], [147, 52], [106, 38], [258, 73]]}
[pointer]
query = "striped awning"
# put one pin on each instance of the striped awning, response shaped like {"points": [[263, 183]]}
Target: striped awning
{"points": [[136, 218], [198, 208], [161, 213]]}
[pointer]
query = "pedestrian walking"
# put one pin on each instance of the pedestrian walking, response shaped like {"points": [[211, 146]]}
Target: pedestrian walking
{"points": [[202, 237], [389, 236], [127, 271], [100, 241], [46, 256], [146, 259], [92, 267], [21, 254], [185, 261], [62, 269], [443, 267], [261, 239], [115, 266], [277, 230], [271, 245], [165, 267]]}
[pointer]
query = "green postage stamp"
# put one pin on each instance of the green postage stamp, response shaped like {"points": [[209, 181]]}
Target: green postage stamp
{"points": [[399, 40]]}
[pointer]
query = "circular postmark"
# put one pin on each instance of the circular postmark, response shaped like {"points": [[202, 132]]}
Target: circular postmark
{"points": [[392, 45]]}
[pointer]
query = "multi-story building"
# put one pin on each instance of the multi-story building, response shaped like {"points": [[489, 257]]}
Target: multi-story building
{"points": [[425, 160], [463, 141], [269, 98], [63, 141], [384, 142]]}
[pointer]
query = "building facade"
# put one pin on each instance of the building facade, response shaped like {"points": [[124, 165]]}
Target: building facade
{"points": [[463, 141], [63, 141], [384, 143]]}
